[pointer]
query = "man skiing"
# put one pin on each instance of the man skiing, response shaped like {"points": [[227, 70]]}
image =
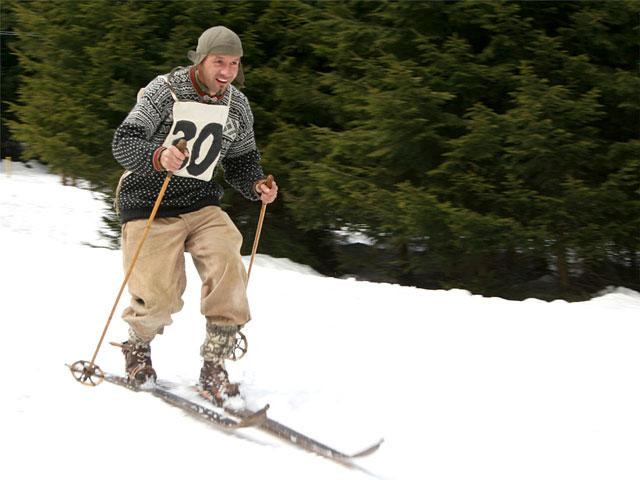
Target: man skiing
{"points": [[200, 105]]}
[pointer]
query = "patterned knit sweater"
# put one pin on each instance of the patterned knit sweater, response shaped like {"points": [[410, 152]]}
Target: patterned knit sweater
{"points": [[138, 140]]}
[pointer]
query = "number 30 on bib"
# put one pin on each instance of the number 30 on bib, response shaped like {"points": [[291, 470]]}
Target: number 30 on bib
{"points": [[201, 125]]}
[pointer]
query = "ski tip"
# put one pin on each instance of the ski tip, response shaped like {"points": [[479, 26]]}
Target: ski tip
{"points": [[255, 419], [368, 450]]}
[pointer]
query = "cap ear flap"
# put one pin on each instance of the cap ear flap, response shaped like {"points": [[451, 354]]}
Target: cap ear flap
{"points": [[195, 57], [239, 81]]}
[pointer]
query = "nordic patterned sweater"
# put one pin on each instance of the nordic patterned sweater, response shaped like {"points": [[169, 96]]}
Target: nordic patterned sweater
{"points": [[137, 143]]}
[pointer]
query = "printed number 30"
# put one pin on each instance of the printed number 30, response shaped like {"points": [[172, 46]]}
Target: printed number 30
{"points": [[190, 130]]}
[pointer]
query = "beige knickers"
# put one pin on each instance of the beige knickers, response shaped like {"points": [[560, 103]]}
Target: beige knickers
{"points": [[158, 278]]}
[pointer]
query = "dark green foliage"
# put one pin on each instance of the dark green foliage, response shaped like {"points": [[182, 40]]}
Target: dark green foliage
{"points": [[487, 145], [9, 77]]}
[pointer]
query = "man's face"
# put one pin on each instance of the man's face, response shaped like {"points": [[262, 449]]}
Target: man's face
{"points": [[218, 71]]}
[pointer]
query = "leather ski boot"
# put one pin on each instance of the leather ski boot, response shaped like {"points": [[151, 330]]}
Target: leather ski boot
{"points": [[138, 365], [215, 384]]}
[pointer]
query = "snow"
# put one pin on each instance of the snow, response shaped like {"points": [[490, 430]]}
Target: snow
{"points": [[460, 386]]}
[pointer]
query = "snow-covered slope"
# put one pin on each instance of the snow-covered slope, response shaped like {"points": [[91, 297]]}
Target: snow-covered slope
{"points": [[460, 386]]}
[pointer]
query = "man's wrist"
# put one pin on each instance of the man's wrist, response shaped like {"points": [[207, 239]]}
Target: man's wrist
{"points": [[156, 159]]}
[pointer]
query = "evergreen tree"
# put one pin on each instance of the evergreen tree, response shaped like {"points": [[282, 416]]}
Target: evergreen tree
{"points": [[83, 63], [9, 78], [482, 145]]}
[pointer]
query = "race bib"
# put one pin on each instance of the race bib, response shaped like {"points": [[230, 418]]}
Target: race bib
{"points": [[201, 125]]}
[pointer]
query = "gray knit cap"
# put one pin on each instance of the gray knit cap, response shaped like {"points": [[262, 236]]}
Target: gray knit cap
{"points": [[218, 40]]}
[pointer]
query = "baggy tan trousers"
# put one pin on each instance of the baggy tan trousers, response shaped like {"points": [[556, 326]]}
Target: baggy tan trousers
{"points": [[158, 278]]}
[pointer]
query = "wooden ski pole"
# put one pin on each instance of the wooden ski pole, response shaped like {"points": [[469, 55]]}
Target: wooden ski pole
{"points": [[147, 227], [263, 210], [88, 370]]}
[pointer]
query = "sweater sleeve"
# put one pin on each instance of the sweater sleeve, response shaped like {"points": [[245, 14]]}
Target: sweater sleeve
{"points": [[132, 145], [242, 172], [242, 163]]}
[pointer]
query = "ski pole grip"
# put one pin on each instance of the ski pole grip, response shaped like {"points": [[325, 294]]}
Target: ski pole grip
{"points": [[269, 181], [181, 145]]}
